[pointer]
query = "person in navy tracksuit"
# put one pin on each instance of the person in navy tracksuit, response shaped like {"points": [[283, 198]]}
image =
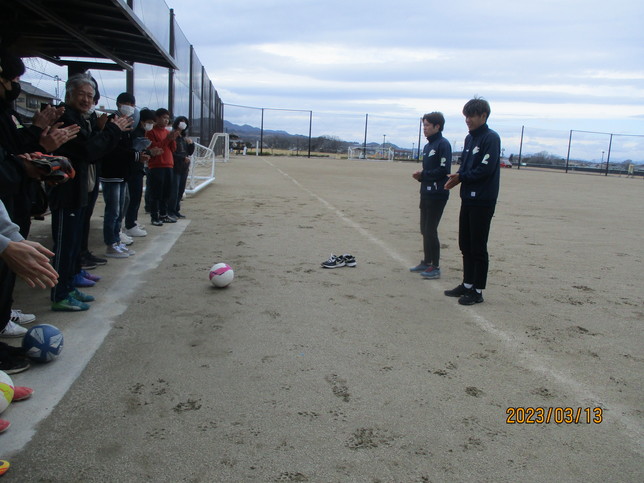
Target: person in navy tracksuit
{"points": [[437, 160], [479, 179]]}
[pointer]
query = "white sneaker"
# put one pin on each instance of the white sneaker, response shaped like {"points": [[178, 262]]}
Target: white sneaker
{"points": [[126, 239], [136, 230], [114, 251], [127, 250], [17, 317], [13, 330]]}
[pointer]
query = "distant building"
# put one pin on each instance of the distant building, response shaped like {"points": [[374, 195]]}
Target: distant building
{"points": [[30, 100]]}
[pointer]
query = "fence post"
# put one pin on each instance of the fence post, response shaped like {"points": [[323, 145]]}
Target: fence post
{"points": [[521, 147], [568, 155], [610, 143]]}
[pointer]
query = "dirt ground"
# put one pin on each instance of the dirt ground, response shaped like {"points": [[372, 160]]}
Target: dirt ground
{"points": [[366, 374]]}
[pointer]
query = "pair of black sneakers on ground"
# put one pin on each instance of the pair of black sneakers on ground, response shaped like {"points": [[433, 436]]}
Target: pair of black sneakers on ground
{"points": [[466, 296], [337, 261]]}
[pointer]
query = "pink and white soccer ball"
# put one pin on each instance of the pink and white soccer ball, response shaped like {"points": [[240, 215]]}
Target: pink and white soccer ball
{"points": [[6, 391], [221, 275]]}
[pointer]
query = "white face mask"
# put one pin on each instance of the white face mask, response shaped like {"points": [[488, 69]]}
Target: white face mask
{"points": [[126, 110], [182, 125], [148, 126]]}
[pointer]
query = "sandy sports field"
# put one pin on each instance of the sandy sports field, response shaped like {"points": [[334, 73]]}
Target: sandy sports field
{"points": [[366, 374]]}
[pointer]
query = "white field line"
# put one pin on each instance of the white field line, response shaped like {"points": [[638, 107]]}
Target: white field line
{"points": [[514, 343]]}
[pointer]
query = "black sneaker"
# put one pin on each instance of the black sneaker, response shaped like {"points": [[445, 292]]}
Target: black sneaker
{"points": [[13, 365], [349, 260], [168, 219], [456, 292], [471, 297], [156, 222], [334, 262], [89, 257], [86, 264]]}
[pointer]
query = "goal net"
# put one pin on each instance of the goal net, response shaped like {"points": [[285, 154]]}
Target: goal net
{"points": [[372, 152], [202, 167], [220, 146]]}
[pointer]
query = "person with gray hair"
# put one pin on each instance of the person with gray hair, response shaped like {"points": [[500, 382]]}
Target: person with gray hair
{"points": [[68, 201]]}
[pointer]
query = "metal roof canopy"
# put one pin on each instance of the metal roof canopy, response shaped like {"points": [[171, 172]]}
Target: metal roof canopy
{"points": [[53, 29]]}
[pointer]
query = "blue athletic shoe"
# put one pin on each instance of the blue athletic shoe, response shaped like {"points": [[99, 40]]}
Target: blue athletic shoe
{"points": [[431, 273], [421, 267], [81, 297], [80, 281]]}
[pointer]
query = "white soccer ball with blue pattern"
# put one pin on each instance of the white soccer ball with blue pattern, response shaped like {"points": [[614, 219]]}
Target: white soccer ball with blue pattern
{"points": [[43, 343]]}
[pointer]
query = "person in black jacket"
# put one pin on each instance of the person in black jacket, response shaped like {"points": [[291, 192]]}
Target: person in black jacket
{"points": [[437, 161], [185, 148], [19, 177], [135, 181], [479, 177], [69, 200]]}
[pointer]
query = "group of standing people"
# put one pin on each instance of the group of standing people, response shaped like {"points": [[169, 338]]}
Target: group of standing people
{"points": [[479, 177], [115, 152]]}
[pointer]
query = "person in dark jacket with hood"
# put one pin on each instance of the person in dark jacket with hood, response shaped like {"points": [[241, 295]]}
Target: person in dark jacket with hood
{"points": [[437, 161], [479, 177]]}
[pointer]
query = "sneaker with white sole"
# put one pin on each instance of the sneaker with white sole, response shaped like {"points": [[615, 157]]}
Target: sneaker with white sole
{"points": [[69, 304], [11, 364], [115, 251], [13, 330], [17, 317], [135, 231], [349, 260], [127, 250], [333, 262], [125, 239]]}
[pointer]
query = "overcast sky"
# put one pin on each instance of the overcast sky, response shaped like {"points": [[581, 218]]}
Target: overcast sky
{"points": [[548, 65]]}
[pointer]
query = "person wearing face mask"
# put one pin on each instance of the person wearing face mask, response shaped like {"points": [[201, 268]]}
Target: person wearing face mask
{"points": [[18, 176], [115, 172], [185, 148], [135, 181]]}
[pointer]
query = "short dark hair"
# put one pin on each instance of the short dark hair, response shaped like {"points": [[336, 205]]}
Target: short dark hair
{"points": [[435, 118], [162, 111], [125, 97], [11, 64], [476, 107], [146, 115]]}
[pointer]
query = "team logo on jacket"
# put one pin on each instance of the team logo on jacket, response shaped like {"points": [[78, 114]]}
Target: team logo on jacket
{"points": [[431, 152], [443, 161], [475, 150], [485, 159]]}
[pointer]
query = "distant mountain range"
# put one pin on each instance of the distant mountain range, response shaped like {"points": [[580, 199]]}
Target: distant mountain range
{"points": [[247, 132], [252, 134]]}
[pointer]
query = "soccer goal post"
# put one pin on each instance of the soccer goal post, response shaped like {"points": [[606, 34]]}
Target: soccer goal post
{"points": [[373, 152], [202, 167]]}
